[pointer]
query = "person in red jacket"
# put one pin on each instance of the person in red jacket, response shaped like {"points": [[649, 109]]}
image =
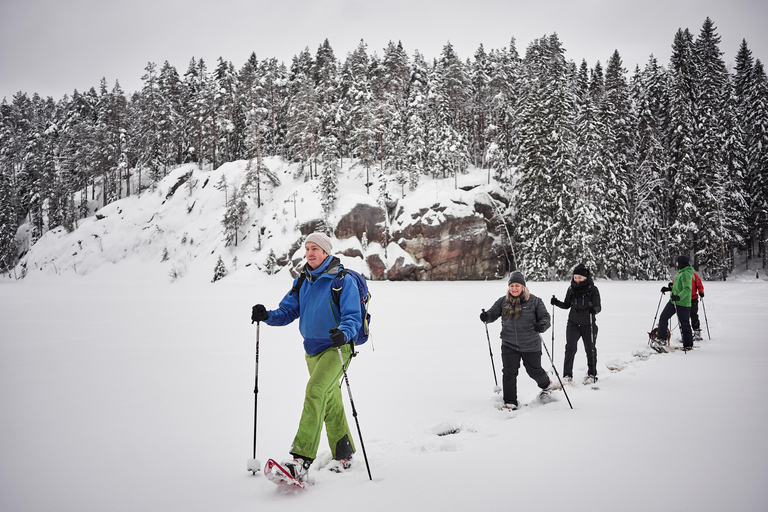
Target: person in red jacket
{"points": [[697, 290]]}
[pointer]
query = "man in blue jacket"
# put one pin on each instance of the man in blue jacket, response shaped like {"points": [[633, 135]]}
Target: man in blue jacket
{"points": [[326, 327]]}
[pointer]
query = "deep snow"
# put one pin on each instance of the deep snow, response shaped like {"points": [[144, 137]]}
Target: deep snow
{"points": [[120, 391]]}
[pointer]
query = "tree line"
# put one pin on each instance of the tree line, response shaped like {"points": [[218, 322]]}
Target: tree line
{"points": [[619, 171]]}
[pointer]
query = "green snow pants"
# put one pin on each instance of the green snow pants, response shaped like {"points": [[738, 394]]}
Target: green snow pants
{"points": [[323, 404]]}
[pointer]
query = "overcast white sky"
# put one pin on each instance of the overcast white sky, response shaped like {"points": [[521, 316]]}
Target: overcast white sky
{"points": [[55, 46]]}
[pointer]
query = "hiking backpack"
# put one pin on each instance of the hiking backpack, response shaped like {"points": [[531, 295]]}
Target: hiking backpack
{"points": [[365, 296]]}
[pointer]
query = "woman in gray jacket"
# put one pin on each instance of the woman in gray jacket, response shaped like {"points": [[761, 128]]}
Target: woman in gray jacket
{"points": [[523, 318]]}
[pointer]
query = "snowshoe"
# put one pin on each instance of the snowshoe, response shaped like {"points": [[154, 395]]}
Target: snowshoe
{"points": [[660, 346], [340, 465], [290, 476]]}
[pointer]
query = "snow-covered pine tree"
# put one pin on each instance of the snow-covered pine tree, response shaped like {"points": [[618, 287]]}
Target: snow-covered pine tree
{"points": [[234, 217], [679, 216], [172, 123], [302, 126], [583, 240], [228, 118], [645, 181], [543, 193], [450, 89], [8, 223], [360, 110], [718, 205], [751, 98], [479, 107], [219, 271], [611, 180], [417, 121], [503, 91]]}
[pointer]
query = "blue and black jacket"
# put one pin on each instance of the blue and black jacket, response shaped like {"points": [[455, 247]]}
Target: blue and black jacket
{"points": [[315, 308]]}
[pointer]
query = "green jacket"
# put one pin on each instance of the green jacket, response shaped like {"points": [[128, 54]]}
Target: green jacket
{"points": [[682, 285]]}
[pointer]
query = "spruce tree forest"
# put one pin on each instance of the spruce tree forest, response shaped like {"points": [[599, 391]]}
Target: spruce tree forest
{"points": [[620, 170]]}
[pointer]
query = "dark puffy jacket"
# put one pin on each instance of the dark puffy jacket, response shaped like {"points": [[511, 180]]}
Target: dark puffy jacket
{"points": [[524, 333], [578, 298]]}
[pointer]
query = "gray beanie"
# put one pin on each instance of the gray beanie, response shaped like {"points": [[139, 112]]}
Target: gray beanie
{"points": [[517, 277], [321, 240]]}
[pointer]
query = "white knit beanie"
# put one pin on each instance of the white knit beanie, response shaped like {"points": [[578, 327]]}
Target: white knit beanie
{"points": [[321, 240]]}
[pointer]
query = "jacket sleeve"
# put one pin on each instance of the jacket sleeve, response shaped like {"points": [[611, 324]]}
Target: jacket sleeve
{"points": [[542, 317], [595, 298], [566, 304], [349, 308], [495, 312], [698, 286], [287, 311]]}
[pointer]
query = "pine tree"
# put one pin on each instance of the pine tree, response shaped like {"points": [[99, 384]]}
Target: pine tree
{"points": [[417, 115], [646, 180], [613, 178], [751, 104], [234, 217], [542, 193], [679, 216], [8, 224], [503, 91], [220, 271], [360, 110], [720, 210], [303, 126]]}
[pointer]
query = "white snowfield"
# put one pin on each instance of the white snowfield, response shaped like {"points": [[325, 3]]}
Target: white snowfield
{"points": [[121, 394]]}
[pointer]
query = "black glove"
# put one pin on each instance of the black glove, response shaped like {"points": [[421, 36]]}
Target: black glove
{"points": [[484, 317], [675, 298], [259, 313], [592, 310], [338, 337], [701, 294], [553, 301], [666, 289]]}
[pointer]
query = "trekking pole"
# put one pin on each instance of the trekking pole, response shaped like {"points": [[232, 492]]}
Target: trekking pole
{"points": [[593, 345], [254, 465], [553, 331], [354, 413], [705, 318], [557, 375], [496, 388], [657, 312]]}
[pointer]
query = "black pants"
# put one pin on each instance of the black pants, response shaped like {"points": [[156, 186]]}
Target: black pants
{"points": [[572, 334], [695, 324], [511, 358], [683, 316]]}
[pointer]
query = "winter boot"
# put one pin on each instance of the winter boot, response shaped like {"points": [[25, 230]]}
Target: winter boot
{"points": [[590, 379], [298, 468], [510, 406], [697, 335], [340, 465]]}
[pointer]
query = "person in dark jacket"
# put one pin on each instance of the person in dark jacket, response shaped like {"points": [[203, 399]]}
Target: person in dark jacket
{"points": [[523, 318], [327, 329], [583, 299]]}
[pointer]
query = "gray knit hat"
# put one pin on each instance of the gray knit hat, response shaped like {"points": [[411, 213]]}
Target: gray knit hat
{"points": [[321, 240], [517, 277]]}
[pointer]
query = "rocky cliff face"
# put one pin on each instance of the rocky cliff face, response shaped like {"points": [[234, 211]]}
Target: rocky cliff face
{"points": [[455, 239]]}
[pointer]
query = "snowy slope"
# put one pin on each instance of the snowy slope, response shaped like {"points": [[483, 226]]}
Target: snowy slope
{"points": [[181, 227], [120, 391]]}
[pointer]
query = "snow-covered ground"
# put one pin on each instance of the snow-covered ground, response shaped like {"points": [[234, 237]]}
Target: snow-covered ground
{"points": [[121, 391]]}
